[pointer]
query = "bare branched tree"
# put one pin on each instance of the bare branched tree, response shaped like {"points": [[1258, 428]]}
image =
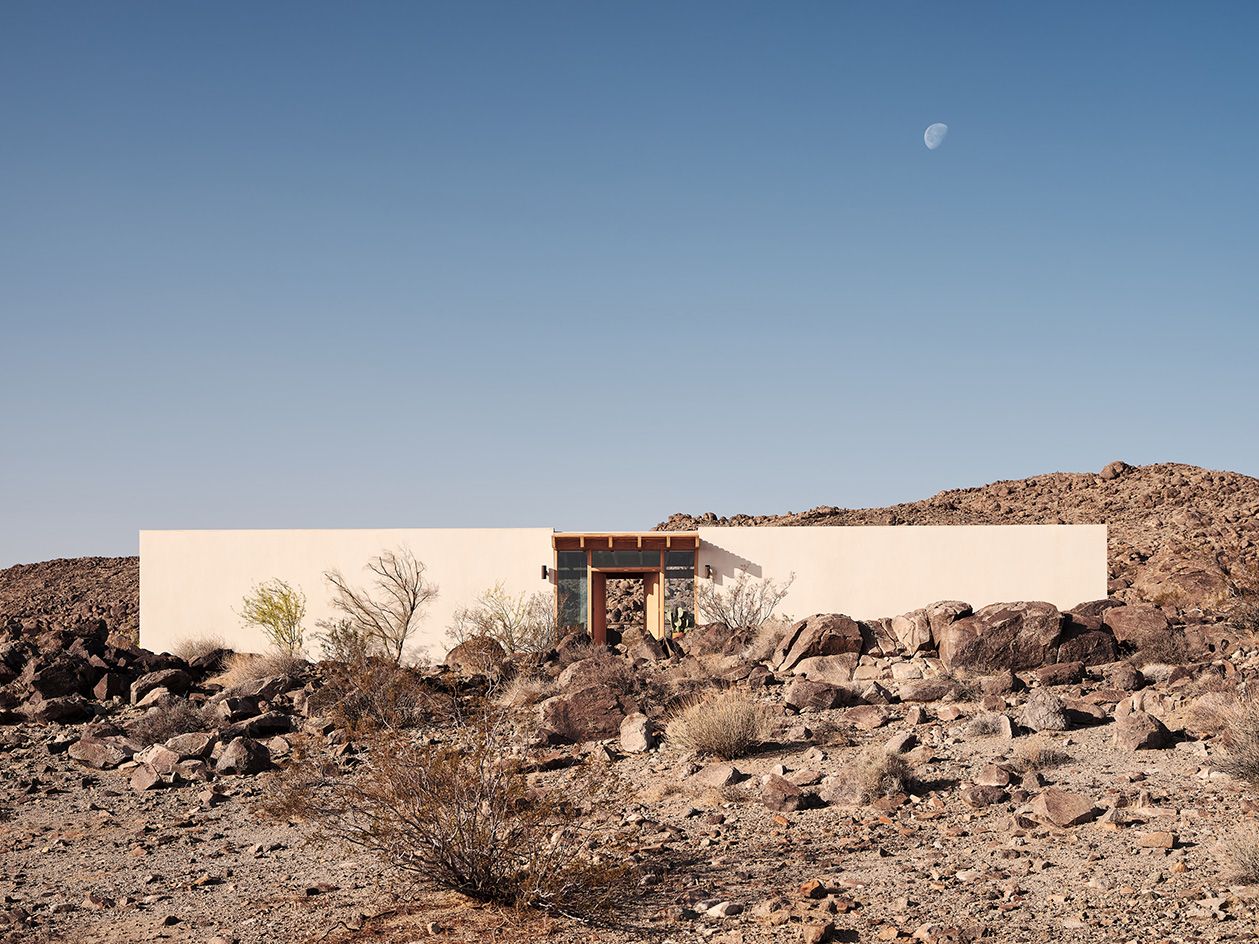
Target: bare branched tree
{"points": [[525, 623], [388, 612], [744, 605]]}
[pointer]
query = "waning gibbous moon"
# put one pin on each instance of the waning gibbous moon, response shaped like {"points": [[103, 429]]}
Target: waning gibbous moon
{"points": [[935, 134]]}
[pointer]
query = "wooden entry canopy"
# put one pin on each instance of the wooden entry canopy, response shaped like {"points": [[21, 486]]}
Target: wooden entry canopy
{"points": [[647, 555]]}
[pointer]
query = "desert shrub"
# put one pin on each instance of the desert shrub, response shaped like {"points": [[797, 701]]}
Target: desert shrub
{"points": [[1039, 754], [245, 667], [726, 724], [387, 615], [525, 689], [988, 724], [1161, 649], [342, 640], [195, 647], [1241, 857], [879, 772], [161, 723], [520, 624], [373, 695], [277, 608], [602, 666], [1239, 739], [744, 605], [766, 638], [457, 817]]}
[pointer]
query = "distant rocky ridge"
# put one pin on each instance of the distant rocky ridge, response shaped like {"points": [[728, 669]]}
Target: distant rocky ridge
{"points": [[69, 592], [1181, 536]]}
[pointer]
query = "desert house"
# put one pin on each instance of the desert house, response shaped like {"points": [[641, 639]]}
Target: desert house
{"points": [[192, 582]]}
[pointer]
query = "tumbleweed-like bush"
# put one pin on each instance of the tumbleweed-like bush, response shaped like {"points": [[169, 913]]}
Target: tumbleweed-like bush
{"points": [[459, 816], [1239, 738], [879, 772], [725, 724]]}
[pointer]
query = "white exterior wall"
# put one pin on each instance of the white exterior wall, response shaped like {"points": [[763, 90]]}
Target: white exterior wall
{"points": [[872, 572], [192, 582]]}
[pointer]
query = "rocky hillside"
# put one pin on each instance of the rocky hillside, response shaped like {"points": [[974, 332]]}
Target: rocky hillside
{"points": [[71, 591], [1180, 536]]}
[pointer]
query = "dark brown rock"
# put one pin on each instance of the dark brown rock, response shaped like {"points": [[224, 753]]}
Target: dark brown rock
{"points": [[826, 634], [1003, 636], [587, 714]]}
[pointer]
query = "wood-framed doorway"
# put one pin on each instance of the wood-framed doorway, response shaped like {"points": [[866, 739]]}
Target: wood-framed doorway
{"points": [[665, 560]]}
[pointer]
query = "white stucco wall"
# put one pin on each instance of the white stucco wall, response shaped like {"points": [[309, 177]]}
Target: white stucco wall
{"points": [[192, 582], [871, 572]]}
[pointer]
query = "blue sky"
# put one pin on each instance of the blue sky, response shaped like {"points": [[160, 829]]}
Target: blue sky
{"points": [[585, 264]]}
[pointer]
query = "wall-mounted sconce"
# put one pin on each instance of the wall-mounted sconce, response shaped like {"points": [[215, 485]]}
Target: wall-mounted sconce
{"points": [[545, 572], [708, 571]]}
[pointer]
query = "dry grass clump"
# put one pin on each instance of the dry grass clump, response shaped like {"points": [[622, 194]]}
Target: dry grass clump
{"points": [[245, 667], [159, 724], [879, 772], [1239, 739], [194, 647], [1161, 649], [525, 689], [727, 724], [987, 724], [1039, 754], [454, 817], [1241, 858]]}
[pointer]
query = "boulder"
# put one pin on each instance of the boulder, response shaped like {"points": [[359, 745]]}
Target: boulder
{"points": [[877, 637], [928, 689], [110, 685], [1060, 673], [1063, 808], [833, 670], [1011, 636], [175, 681], [1044, 712], [243, 756], [259, 726], [637, 735], [479, 655], [1089, 648], [943, 614], [144, 777], [979, 796], [719, 775], [1141, 732], [195, 744], [587, 714], [806, 695], [781, 795], [828, 634], [264, 689], [1137, 623], [867, 717], [912, 631], [57, 675], [162, 759], [101, 750], [65, 709]]}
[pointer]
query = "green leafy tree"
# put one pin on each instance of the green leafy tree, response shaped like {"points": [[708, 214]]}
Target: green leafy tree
{"points": [[277, 608]]}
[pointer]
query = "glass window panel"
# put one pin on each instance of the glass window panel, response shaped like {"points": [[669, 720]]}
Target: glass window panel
{"points": [[627, 558], [572, 589], [679, 589]]}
